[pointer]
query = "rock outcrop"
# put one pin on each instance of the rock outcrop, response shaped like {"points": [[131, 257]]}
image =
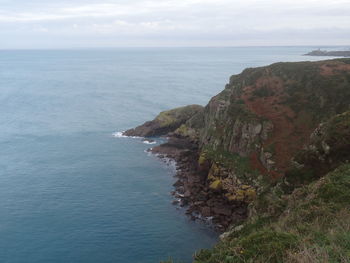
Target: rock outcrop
{"points": [[329, 147], [165, 122]]}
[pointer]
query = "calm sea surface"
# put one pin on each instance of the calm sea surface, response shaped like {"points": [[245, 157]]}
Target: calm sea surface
{"points": [[69, 190]]}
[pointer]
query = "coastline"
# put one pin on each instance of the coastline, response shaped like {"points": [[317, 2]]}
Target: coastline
{"points": [[191, 191], [242, 160]]}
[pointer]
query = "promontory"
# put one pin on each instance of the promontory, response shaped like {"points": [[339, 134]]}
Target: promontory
{"points": [[268, 161]]}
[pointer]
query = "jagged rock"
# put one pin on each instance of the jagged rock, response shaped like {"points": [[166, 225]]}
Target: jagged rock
{"points": [[187, 193], [206, 211], [222, 210], [176, 202]]}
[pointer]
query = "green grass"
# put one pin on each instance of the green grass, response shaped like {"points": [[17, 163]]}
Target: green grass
{"points": [[336, 188], [314, 226]]}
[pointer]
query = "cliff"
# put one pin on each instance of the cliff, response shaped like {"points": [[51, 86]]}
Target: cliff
{"points": [[266, 160]]}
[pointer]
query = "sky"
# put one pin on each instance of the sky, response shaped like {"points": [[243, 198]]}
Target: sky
{"points": [[129, 23]]}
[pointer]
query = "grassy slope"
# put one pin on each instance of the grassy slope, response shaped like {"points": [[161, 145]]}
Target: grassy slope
{"points": [[308, 224], [311, 225]]}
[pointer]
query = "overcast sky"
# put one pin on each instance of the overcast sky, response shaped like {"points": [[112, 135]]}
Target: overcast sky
{"points": [[93, 23]]}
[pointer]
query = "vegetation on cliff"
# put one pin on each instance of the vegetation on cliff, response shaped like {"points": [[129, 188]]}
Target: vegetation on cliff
{"points": [[298, 220], [165, 122], [313, 226], [301, 215], [274, 145]]}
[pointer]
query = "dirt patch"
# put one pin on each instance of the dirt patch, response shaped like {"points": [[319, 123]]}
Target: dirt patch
{"points": [[333, 68]]}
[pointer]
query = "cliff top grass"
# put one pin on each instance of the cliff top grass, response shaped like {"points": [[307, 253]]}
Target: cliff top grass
{"points": [[181, 114], [165, 122]]}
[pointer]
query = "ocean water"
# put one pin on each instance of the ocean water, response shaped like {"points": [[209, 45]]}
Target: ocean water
{"points": [[72, 192]]}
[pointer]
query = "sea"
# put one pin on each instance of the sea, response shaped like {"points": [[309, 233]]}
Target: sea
{"points": [[71, 188]]}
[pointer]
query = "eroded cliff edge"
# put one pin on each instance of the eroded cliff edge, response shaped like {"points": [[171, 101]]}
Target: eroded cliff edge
{"points": [[271, 130]]}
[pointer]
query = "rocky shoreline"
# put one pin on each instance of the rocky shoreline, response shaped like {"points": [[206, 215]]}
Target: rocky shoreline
{"points": [[191, 189]]}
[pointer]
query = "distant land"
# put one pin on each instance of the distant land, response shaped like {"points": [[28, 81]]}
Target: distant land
{"points": [[320, 52]]}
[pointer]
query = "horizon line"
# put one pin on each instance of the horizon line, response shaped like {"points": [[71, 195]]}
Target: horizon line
{"points": [[146, 47]]}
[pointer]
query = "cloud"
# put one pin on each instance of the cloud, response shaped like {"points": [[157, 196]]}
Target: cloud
{"points": [[151, 21]]}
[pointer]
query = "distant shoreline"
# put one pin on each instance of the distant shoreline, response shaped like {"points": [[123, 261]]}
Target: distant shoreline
{"points": [[328, 53]]}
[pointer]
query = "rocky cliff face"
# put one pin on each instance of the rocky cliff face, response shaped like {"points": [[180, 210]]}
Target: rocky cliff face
{"points": [[252, 130], [305, 217], [267, 114], [327, 149], [253, 134]]}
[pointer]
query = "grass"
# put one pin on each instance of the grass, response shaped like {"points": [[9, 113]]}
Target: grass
{"points": [[336, 188], [177, 115], [314, 226], [263, 246]]}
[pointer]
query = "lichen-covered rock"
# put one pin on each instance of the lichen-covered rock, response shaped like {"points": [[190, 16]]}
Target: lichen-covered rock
{"points": [[216, 184]]}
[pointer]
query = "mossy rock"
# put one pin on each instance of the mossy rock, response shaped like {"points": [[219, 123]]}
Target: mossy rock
{"points": [[214, 172], [202, 158], [245, 193], [186, 131], [216, 185], [165, 122]]}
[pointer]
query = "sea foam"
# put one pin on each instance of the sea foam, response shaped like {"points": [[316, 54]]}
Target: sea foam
{"points": [[121, 135], [148, 142]]}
